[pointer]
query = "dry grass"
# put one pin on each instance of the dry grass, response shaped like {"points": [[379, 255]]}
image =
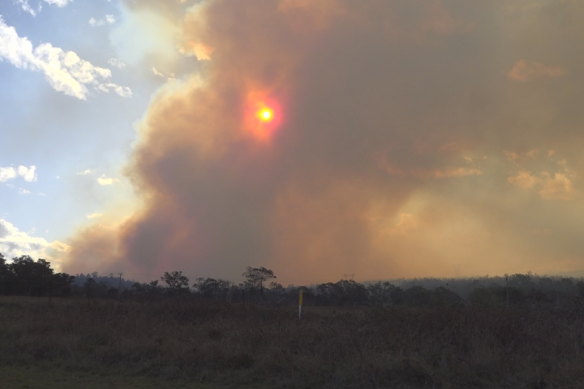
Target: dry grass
{"points": [[189, 342], [31, 377]]}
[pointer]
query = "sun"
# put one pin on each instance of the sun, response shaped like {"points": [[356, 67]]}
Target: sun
{"points": [[266, 114], [263, 115]]}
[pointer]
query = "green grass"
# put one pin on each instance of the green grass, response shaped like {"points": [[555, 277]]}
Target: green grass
{"points": [[191, 344]]}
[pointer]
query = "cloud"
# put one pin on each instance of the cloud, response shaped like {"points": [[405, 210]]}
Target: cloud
{"points": [[95, 215], [160, 74], [102, 180], [524, 179], [457, 172], [385, 156], [106, 181], [7, 173], [117, 63], [557, 186], [85, 172], [14, 243], [58, 3], [146, 37], [443, 173], [106, 20], [549, 184], [27, 173], [405, 223], [26, 7], [65, 71], [202, 52], [525, 71]]}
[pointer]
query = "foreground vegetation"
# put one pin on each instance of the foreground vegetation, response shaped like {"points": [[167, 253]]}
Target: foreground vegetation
{"points": [[185, 342], [56, 330]]}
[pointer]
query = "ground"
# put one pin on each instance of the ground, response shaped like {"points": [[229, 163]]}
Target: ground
{"points": [[72, 343]]}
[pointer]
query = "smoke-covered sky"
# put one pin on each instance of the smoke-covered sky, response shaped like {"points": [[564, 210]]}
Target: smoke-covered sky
{"points": [[322, 139]]}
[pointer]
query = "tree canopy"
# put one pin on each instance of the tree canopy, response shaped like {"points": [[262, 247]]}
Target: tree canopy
{"points": [[255, 277]]}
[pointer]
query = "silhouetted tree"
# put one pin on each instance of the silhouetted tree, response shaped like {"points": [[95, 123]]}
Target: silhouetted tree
{"points": [[580, 288], [26, 276], [418, 296], [343, 292], [60, 284], [496, 296], [383, 293], [523, 282], [32, 278], [443, 297], [153, 285], [90, 288], [176, 281], [256, 277], [7, 278], [211, 287], [149, 289]]}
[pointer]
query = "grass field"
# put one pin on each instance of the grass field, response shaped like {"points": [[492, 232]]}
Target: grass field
{"points": [[193, 344], [29, 377]]}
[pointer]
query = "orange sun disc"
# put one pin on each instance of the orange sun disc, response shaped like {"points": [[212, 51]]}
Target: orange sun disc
{"points": [[265, 114]]}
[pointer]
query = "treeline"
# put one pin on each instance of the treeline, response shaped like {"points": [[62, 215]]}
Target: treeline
{"points": [[25, 276]]}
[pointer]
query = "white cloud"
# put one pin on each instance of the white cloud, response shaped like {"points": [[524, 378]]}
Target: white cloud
{"points": [[85, 172], [158, 73], [16, 50], [102, 180], [25, 6], [117, 63], [64, 70], [95, 215], [107, 19], [14, 242], [123, 91], [58, 3], [27, 173], [107, 181], [7, 173]]}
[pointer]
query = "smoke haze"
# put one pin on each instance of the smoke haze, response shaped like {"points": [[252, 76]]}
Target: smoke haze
{"points": [[410, 139]]}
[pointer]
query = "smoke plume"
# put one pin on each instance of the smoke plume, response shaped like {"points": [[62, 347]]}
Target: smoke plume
{"points": [[401, 145]]}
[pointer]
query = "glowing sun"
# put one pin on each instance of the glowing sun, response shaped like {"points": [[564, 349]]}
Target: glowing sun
{"points": [[265, 114]]}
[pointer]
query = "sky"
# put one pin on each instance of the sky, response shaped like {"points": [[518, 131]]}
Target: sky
{"points": [[376, 139]]}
